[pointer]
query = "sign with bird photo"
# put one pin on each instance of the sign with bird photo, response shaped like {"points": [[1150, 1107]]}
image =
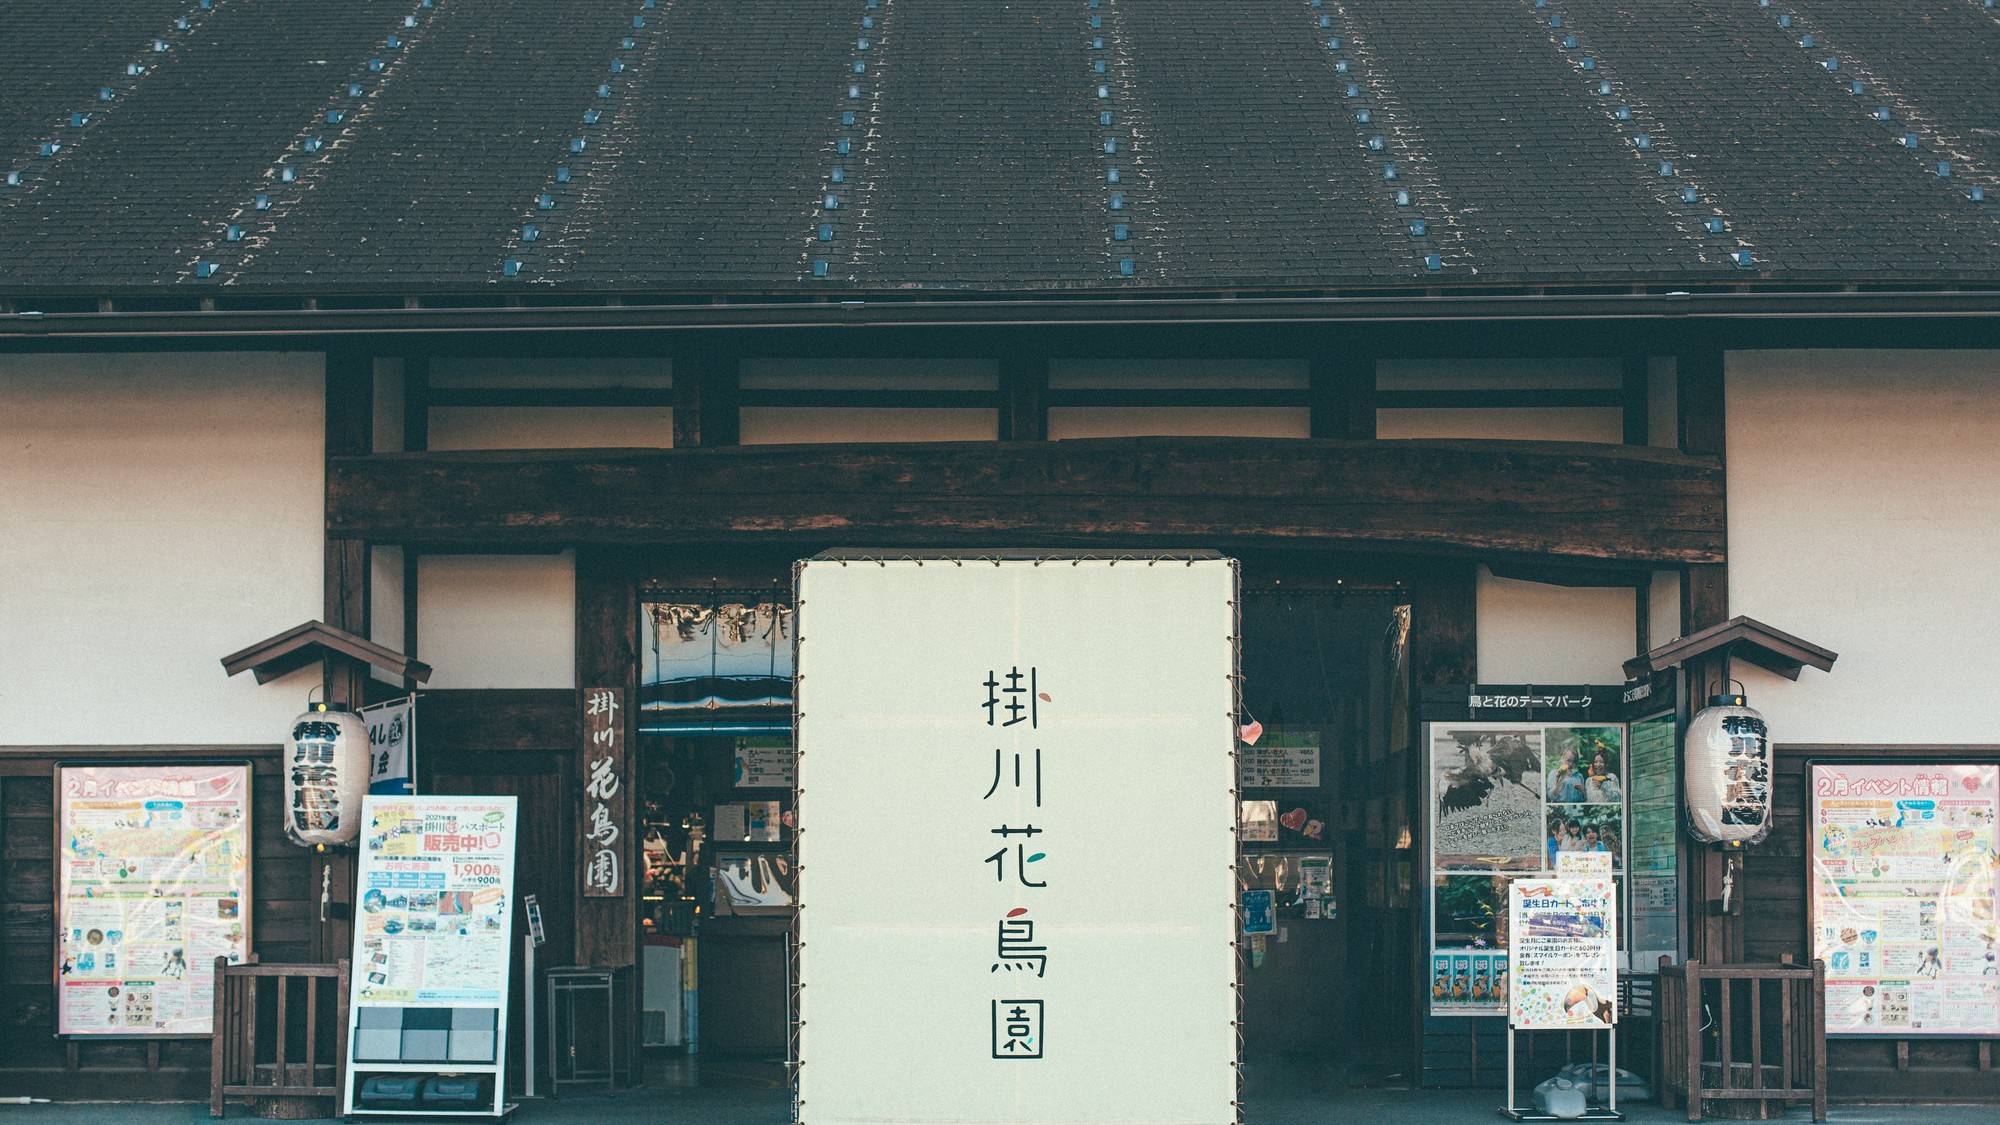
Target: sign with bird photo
{"points": [[1488, 785], [1509, 800]]}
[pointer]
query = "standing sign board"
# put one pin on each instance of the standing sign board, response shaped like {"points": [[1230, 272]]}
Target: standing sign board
{"points": [[431, 943], [153, 870], [1056, 942], [1906, 870], [1564, 957]]}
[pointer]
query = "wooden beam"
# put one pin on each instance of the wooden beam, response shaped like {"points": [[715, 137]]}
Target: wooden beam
{"points": [[1024, 398], [511, 719], [707, 400], [1343, 396], [1444, 625], [1576, 501]]}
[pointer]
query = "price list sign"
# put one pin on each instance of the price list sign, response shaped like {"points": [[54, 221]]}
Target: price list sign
{"points": [[1055, 940]]}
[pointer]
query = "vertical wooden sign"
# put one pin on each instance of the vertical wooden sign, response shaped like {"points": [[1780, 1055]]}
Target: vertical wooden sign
{"points": [[603, 825]]}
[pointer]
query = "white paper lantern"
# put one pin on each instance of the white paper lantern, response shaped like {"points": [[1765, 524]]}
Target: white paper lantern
{"points": [[326, 774], [1728, 773]]}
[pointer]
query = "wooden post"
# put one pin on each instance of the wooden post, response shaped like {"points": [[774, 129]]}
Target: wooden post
{"points": [[1444, 649], [1342, 396], [607, 655], [1638, 403], [350, 431], [1024, 398], [1713, 936], [708, 400]]}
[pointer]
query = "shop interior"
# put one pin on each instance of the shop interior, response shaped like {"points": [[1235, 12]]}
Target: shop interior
{"points": [[1329, 997]]}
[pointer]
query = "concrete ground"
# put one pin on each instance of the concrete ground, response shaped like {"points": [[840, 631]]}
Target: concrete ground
{"points": [[729, 1106], [737, 1106], [726, 1093]]}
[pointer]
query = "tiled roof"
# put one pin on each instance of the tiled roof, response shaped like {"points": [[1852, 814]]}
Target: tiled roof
{"points": [[759, 146]]}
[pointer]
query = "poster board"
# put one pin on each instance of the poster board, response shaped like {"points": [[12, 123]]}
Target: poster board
{"points": [[1905, 876], [432, 941], [153, 884], [1563, 959], [1507, 800], [1653, 840], [1082, 973]]}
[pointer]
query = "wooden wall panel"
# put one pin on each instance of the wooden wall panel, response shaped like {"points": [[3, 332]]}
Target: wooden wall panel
{"points": [[1776, 882], [284, 915]]}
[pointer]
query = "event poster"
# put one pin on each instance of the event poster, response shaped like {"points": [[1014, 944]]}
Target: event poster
{"points": [[1905, 877], [1564, 954], [437, 887], [154, 871]]}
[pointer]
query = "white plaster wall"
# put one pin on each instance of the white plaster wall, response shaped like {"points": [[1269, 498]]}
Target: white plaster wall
{"points": [[1531, 633], [1864, 516], [385, 603], [1501, 423], [1504, 424], [497, 621], [1664, 608], [551, 427], [157, 512], [1178, 374], [1179, 421], [786, 425], [535, 427]]}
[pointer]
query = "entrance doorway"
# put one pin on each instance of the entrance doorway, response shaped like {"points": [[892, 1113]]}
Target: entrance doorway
{"points": [[1329, 998], [1330, 995]]}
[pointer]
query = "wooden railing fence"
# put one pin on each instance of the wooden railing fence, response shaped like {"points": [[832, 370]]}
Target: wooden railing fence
{"points": [[1707, 1054], [266, 1047]]}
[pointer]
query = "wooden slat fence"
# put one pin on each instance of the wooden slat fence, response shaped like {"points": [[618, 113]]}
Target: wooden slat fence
{"points": [[268, 1047], [1742, 1033]]}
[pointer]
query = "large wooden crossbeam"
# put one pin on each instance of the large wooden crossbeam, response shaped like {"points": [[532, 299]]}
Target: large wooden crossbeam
{"points": [[1560, 500]]}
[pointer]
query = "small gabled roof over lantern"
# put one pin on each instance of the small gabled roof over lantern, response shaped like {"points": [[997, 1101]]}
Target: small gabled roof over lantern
{"points": [[315, 640]]}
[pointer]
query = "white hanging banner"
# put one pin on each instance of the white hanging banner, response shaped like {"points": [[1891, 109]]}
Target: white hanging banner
{"points": [[392, 741], [1056, 940]]}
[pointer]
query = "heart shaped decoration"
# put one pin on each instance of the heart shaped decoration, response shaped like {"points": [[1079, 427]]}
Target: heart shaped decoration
{"points": [[1250, 732], [1294, 820], [1971, 783]]}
